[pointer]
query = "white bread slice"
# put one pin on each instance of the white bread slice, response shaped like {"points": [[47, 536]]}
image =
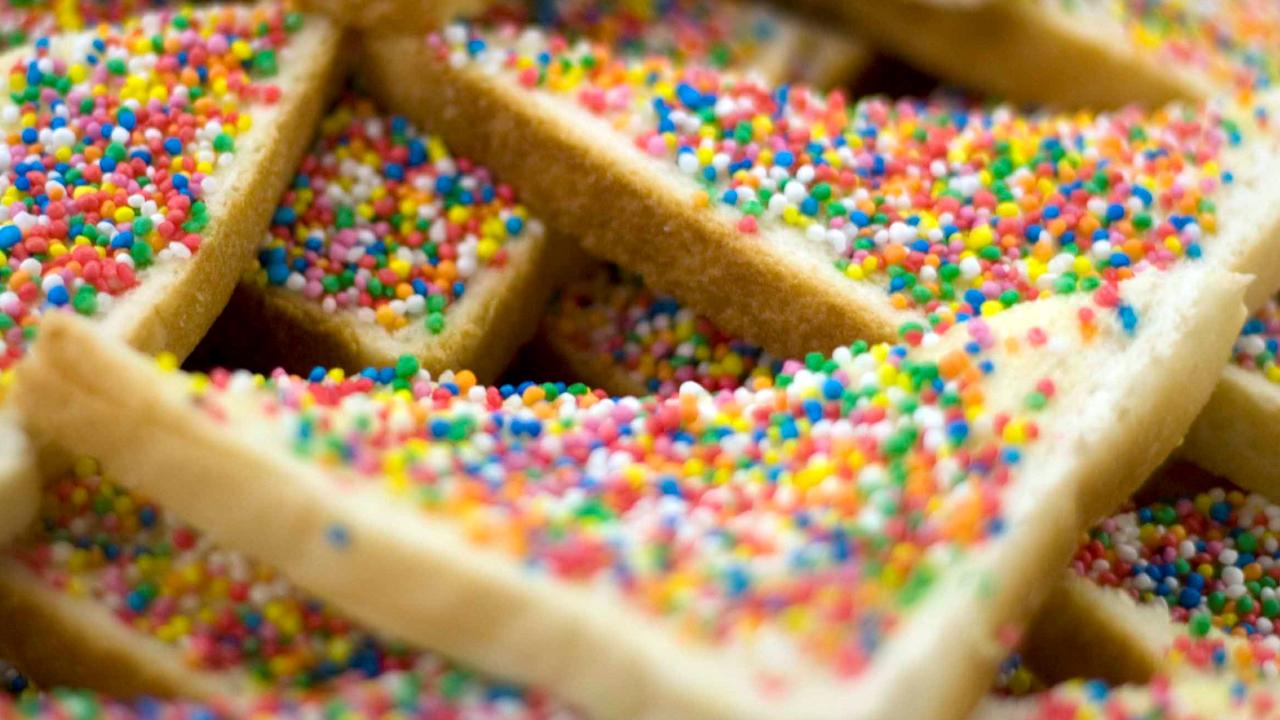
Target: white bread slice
{"points": [[176, 300], [424, 578], [76, 638], [482, 329], [586, 176], [1066, 54], [1083, 630]]}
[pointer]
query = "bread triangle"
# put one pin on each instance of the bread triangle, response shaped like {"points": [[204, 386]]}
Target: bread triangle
{"points": [[117, 595], [170, 295], [374, 201], [449, 579], [611, 165]]}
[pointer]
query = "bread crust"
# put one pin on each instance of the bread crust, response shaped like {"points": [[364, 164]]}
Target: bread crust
{"points": [[1020, 51], [422, 582], [624, 207]]}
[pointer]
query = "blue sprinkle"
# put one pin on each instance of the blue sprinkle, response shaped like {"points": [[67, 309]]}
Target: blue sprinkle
{"points": [[1128, 318], [337, 536], [10, 235], [284, 215]]}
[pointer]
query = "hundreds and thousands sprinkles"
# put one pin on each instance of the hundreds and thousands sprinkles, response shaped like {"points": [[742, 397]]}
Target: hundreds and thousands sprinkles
{"points": [[222, 611], [822, 505], [109, 149], [659, 345], [954, 210], [385, 223]]}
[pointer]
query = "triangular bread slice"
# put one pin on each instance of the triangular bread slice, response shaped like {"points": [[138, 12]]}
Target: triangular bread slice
{"points": [[376, 202], [1078, 54], [611, 330], [528, 534], [177, 298], [608, 328], [747, 199], [112, 593], [244, 142]]}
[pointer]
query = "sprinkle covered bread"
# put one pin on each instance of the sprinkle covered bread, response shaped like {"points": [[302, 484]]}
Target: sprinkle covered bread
{"points": [[872, 214], [116, 141], [224, 615]]}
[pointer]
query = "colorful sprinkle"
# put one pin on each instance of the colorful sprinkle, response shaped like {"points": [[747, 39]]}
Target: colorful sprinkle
{"points": [[23, 20], [1212, 559], [1231, 43], [824, 503]]}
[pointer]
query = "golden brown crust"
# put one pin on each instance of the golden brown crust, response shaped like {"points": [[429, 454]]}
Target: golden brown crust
{"points": [[624, 207], [1085, 630], [1019, 50]]}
